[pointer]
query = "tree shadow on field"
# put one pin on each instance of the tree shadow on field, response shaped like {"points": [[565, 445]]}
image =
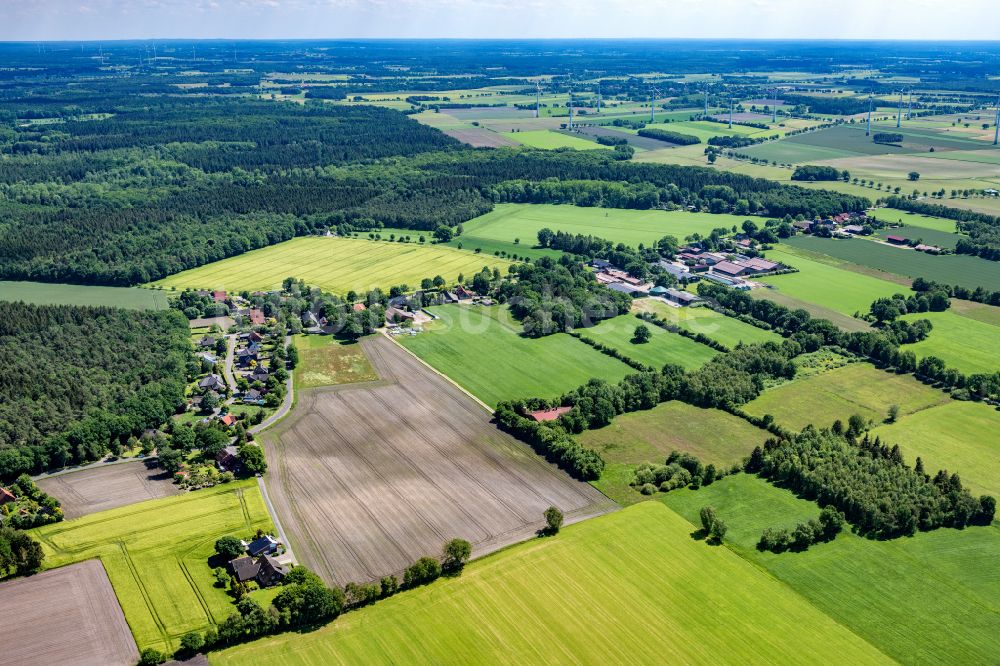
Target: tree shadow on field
{"points": [[699, 535]]}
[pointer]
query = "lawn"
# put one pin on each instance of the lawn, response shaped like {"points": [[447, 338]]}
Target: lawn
{"points": [[858, 388], [929, 599], [628, 587], [327, 361], [44, 293], [894, 215], [550, 140], [156, 554], [827, 285], [482, 349], [334, 264], [726, 330], [663, 347], [963, 343], [960, 269], [957, 436], [649, 436], [508, 222]]}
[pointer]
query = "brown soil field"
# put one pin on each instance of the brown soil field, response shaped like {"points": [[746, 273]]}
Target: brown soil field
{"points": [[101, 488], [65, 616], [368, 478], [480, 137]]}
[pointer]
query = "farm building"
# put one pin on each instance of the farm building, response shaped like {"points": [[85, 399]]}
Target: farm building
{"points": [[896, 240], [730, 269], [6, 496], [681, 297], [758, 265], [624, 288], [548, 414]]}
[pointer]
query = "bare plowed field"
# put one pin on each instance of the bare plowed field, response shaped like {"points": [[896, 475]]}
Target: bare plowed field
{"points": [[102, 488], [367, 479], [65, 616]]}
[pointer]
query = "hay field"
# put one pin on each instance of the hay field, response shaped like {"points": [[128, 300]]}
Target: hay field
{"points": [[482, 350], [102, 488], [957, 436], [630, 587], [929, 599], [549, 140], [966, 344], [858, 388], [649, 436], [663, 346], [327, 361], [333, 264], [66, 616], [367, 479], [156, 555], [43, 293]]}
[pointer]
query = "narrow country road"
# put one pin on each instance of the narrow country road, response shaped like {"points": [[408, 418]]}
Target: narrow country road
{"points": [[227, 367], [284, 407]]}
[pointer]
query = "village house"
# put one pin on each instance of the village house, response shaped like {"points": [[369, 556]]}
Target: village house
{"points": [[219, 296], [228, 420], [256, 317], [262, 545], [212, 382], [897, 240], [228, 460], [6, 496]]}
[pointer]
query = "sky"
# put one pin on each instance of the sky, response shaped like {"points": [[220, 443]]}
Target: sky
{"points": [[34, 20]]}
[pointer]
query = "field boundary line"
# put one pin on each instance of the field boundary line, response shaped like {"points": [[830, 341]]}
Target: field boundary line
{"points": [[438, 372], [144, 592]]}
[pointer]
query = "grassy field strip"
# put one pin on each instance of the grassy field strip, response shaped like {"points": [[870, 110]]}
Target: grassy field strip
{"points": [[957, 436], [858, 388], [44, 293], [841, 290], [892, 593], [549, 140], [663, 347], [334, 264], [467, 341], [156, 554], [628, 587], [726, 330]]}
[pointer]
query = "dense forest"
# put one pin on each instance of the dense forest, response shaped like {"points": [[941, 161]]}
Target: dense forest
{"points": [[79, 381]]}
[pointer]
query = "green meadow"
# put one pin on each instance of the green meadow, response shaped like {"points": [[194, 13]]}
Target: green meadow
{"points": [[482, 349], [958, 436], [928, 599], [827, 285], [726, 330], [156, 556], [43, 293], [627, 587], [857, 388], [522, 222], [963, 343], [550, 140], [663, 346]]}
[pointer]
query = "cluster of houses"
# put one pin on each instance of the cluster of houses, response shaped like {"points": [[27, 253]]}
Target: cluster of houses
{"points": [[238, 306], [260, 564], [903, 241], [844, 225]]}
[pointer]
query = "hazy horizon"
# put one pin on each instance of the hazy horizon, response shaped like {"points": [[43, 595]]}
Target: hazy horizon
{"points": [[891, 20]]}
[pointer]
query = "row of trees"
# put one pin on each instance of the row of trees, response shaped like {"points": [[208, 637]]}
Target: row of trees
{"points": [[803, 535], [79, 381], [669, 136]]}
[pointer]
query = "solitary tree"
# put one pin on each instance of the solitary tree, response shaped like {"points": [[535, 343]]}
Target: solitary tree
{"points": [[641, 335], [456, 554], [913, 175], [893, 414], [553, 520], [252, 457], [229, 547]]}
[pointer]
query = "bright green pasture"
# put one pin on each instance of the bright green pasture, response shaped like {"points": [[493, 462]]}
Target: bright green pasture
{"points": [[827, 285], [858, 388], [942, 239], [705, 130], [334, 264], [482, 349], [550, 140], [963, 343], [929, 599], [649, 436], [957, 436], [156, 555], [726, 330], [663, 347], [892, 215], [959, 269], [523, 221], [628, 587], [44, 293]]}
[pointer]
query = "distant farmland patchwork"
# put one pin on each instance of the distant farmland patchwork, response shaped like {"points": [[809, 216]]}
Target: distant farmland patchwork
{"points": [[579, 598], [334, 264], [43, 293]]}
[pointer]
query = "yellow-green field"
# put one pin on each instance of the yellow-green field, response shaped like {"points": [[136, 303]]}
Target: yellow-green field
{"points": [[334, 264], [156, 556], [327, 361], [628, 587]]}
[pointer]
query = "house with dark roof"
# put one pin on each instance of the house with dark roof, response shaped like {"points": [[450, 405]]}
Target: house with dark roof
{"points": [[601, 263], [244, 568], [897, 240], [624, 288], [212, 382], [681, 297], [207, 341], [253, 397], [270, 571], [263, 545], [228, 460], [254, 336]]}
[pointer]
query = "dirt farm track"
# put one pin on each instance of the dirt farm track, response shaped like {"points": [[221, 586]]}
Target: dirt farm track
{"points": [[64, 616], [369, 477]]}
